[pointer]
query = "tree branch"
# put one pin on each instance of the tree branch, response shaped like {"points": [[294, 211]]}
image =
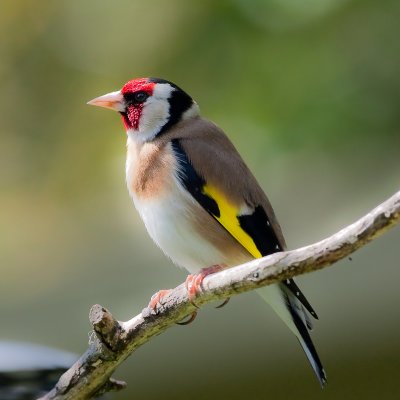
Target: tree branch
{"points": [[113, 341]]}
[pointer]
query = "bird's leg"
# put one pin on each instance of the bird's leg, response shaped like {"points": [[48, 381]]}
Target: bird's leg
{"points": [[194, 281], [193, 286], [156, 299]]}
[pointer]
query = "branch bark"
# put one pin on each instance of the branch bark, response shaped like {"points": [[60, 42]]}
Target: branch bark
{"points": [[113, 341]]}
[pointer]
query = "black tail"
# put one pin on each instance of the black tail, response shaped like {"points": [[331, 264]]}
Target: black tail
{"points": [[307, 344]]}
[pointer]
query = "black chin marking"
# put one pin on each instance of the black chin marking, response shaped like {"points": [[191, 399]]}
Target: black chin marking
{"points": [[179, 102]]}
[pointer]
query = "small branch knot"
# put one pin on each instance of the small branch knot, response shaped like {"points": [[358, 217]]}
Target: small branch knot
{"points": [[107, 328]]}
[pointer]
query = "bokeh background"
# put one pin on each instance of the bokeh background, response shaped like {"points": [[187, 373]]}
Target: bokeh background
{"points": [[308, 91]]}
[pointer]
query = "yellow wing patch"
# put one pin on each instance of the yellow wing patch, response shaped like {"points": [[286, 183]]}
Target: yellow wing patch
{"points": [[228, 219]]}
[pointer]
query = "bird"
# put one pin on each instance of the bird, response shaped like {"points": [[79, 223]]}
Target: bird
{"points": [[199, 201]]}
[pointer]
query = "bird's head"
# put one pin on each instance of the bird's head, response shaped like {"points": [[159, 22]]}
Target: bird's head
{"points": [[148, 106]]}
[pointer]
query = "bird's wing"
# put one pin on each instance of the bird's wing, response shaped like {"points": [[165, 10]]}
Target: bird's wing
{"points": [[213, 172]]}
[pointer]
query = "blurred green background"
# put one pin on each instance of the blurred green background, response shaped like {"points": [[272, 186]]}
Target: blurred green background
{"points": [[308, 91]]}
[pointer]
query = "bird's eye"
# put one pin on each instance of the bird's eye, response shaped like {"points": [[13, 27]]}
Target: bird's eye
{"points": [[140, 97]]}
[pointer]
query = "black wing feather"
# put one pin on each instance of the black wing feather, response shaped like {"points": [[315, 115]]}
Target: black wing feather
{"points": [[192, 181]]}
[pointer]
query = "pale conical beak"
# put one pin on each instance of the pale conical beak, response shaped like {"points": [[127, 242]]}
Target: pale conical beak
{"points": [[114, 101]]}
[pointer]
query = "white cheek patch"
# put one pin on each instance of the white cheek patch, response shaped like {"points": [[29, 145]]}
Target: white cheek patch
{"points": [[155, 114]]}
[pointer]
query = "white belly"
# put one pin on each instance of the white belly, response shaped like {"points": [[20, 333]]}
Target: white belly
{"points": [[168, 222]]}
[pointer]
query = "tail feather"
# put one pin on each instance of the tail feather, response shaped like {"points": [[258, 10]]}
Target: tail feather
{"points": [[308, 321], [292, 286], [292, 312], [306, 343]]}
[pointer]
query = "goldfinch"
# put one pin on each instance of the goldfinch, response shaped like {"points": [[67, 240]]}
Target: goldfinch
{"points": [[197, 198]]}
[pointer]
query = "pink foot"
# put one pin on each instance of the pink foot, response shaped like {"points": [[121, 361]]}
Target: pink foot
{"points": [[194, 281], [156, 298]]}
